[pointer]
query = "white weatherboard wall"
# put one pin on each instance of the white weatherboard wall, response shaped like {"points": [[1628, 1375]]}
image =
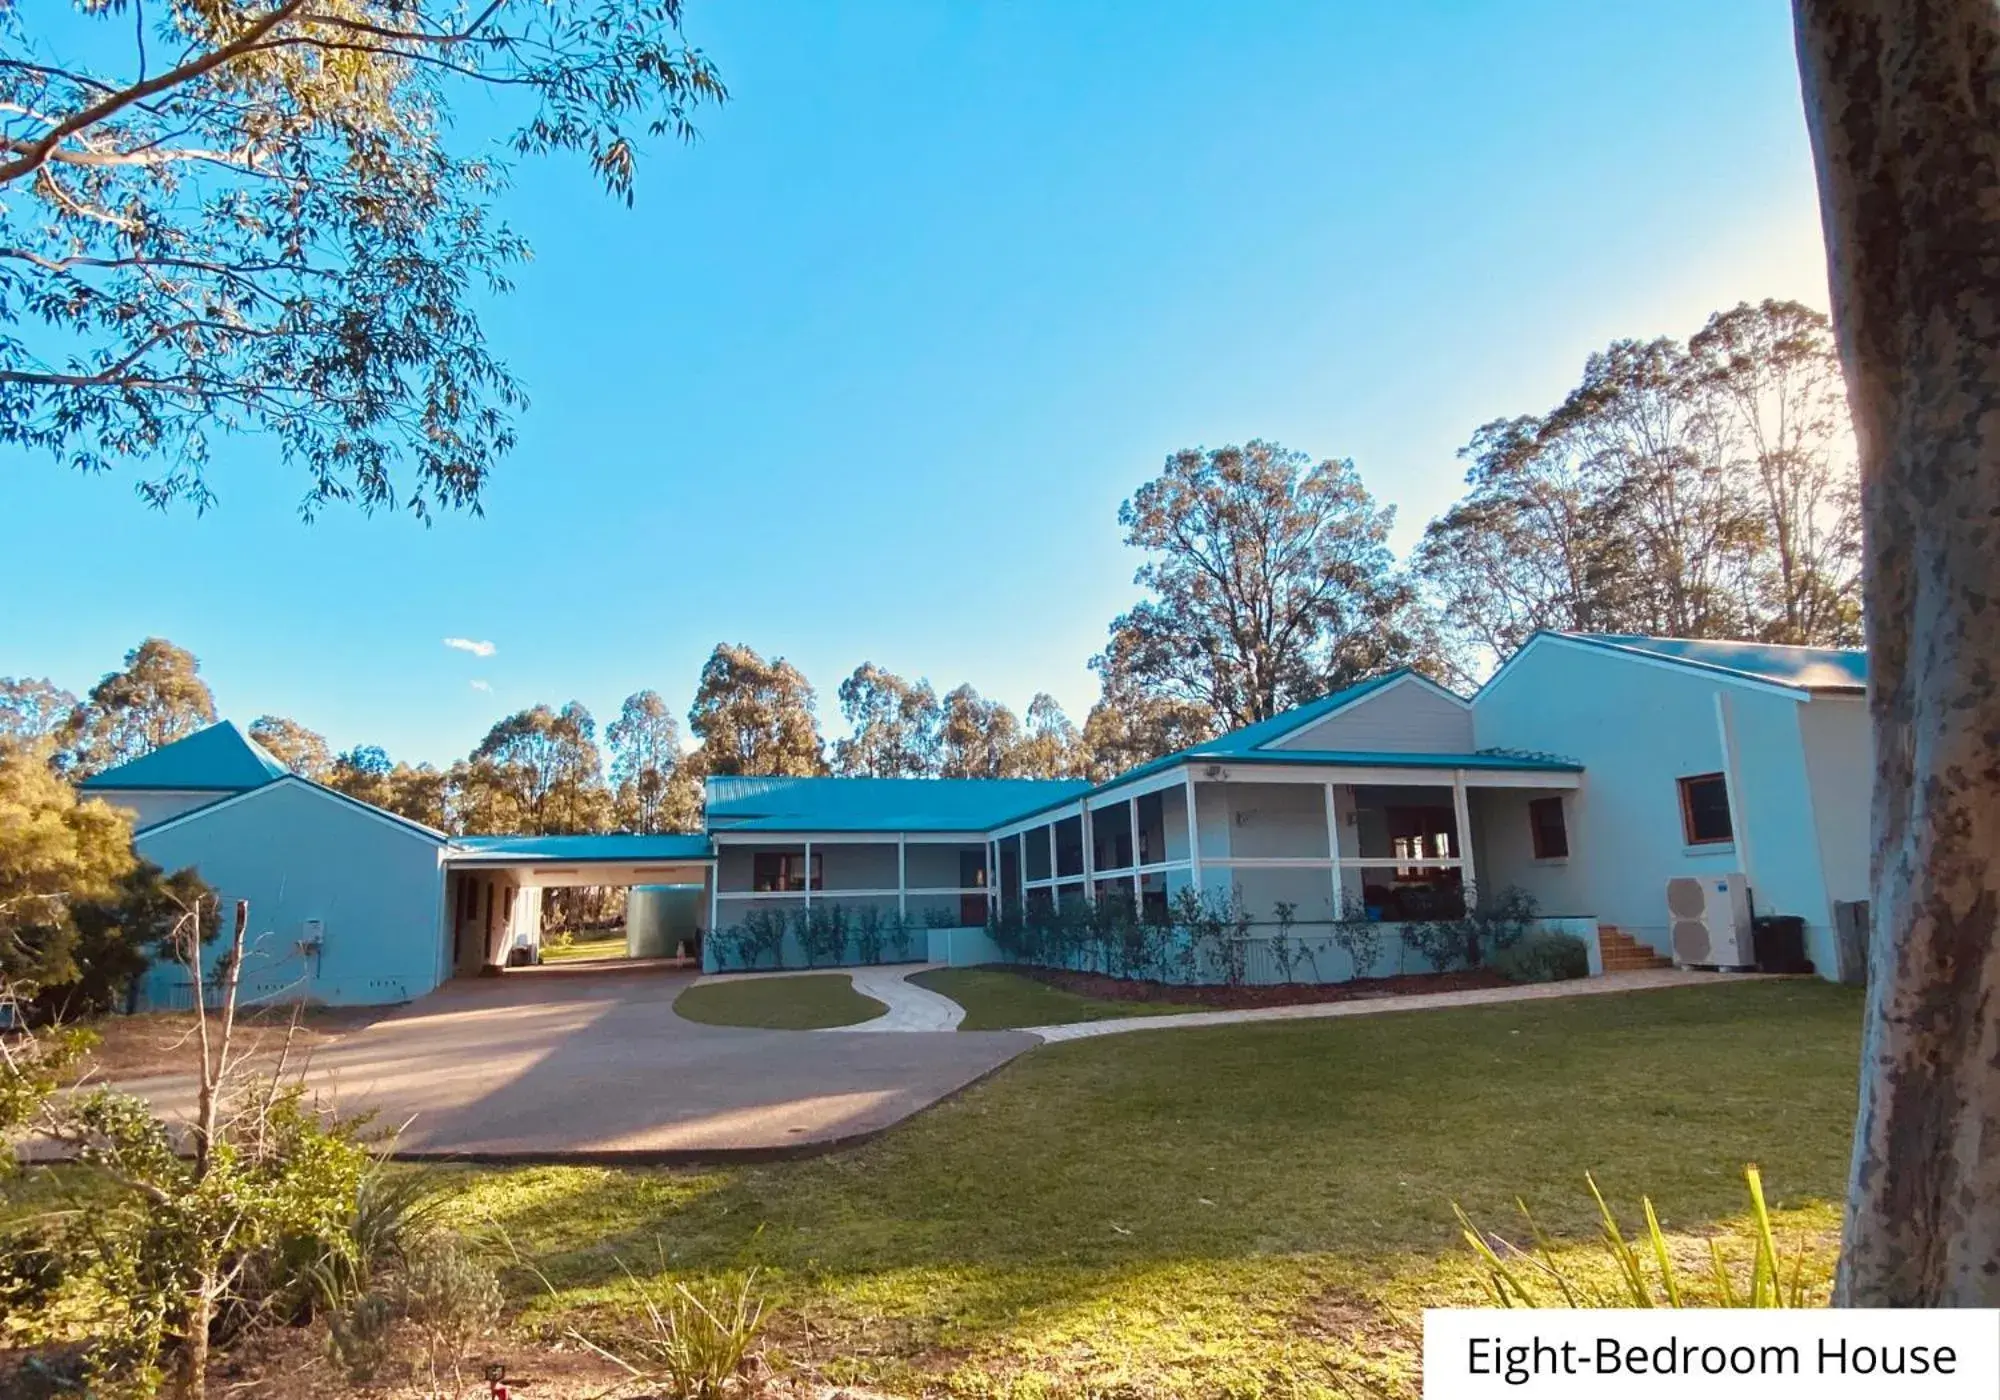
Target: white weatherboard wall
{"points": [[1840, 761], [299, 853], [1406, 716], [1637, 727], [150, 805]]}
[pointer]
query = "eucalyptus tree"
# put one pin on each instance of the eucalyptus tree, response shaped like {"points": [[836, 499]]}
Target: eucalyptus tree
{"points": [[1900, 97], [262, 216], [157, 698], [300, 749], [893, 726], [756, 717], [1269, 581]]}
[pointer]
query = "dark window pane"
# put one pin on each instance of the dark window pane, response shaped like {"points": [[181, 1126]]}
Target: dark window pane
{"points": [[1705, 809], [1069, 846], [1545, 817], [1035, 841], [1153, 828]]}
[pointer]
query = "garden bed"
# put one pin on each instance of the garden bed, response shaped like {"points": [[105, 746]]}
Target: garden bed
{"points": [[1101, 987]]}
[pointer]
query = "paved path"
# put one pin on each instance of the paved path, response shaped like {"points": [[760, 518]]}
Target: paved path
{"points": [[532, 1066], [1376, 1006], [911, 1008]]}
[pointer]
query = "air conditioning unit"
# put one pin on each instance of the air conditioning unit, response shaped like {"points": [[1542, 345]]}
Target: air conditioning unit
{"points": [[1711, 921]]}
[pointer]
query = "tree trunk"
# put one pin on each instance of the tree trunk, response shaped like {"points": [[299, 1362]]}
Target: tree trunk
{"points": [[1902, 98]]}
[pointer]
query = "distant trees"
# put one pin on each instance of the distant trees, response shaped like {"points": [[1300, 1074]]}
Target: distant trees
{"points": [[292, 744], [755, 717], [1270, 582], [157, 698], [893, 726], [538, 770], [417, 791], [1698, 490], [655, 786]]}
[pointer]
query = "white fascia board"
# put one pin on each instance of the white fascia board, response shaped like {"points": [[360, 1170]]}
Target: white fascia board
{"points": [[1363, 776], [727, 837]]}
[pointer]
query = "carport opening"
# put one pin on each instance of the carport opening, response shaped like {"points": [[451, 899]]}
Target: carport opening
{"points": [[509, 909]]}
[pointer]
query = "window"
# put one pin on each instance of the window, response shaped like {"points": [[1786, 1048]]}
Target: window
{"points": [[1545, 820], [783, 871], [1705, 810]]}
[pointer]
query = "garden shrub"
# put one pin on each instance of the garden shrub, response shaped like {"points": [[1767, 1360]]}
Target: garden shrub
{"points": [[761, 935], [868, 935], [822, 933], [1543, 955]]}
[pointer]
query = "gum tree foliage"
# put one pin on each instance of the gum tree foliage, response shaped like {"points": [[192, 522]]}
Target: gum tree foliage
{"points": [[55, 854], [157, 698], [259, 215], [755, 717], [541, 768], [893, 726], [1130, 725], [975, 736], [1900, 97], [292, 744], [1698, 490], [654, 786], [1270, 582], [32, 712], [419, 791]]}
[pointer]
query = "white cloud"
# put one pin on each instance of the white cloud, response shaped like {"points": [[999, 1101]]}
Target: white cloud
{"points": [[482, 685], [467, 644]]}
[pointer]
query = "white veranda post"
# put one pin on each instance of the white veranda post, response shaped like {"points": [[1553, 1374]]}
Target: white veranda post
{"points": [[1461, 813]]}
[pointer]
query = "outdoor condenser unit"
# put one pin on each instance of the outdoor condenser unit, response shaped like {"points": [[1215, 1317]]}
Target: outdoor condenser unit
{"points": [[1711, 921]]}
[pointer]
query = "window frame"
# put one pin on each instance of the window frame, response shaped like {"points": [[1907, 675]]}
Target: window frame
{"points": [[1536, 831], [1685, 787]]}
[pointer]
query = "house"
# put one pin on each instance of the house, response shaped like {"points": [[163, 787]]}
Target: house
{"points": [[349, 904], [1588, 772]]}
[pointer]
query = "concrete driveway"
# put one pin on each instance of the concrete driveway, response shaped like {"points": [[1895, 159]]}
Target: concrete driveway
{"points": [[572, 1064]]}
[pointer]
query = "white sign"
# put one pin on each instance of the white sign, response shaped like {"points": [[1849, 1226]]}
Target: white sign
{"points": [[1713, 1353]]}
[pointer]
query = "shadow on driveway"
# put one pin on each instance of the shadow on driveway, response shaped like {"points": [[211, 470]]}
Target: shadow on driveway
{"points": [[597, 1067]]}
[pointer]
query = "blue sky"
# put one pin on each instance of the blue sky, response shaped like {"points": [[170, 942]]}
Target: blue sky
{"points": [[866, 373]]}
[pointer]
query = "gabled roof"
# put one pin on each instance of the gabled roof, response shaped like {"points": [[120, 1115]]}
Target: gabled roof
{"points": [[878, 804], [619, 847], [1801, 668], [1254, 740], [220, 758], [286, 779]]}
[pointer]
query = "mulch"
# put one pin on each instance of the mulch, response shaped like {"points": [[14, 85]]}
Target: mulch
{"points": [[1102, 988]]}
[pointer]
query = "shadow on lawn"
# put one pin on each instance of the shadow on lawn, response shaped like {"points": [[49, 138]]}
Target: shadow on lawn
{"points": [[1086, 1166]]}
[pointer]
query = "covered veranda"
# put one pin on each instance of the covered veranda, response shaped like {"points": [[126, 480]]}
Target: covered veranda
{"points": [[1389, 838]]}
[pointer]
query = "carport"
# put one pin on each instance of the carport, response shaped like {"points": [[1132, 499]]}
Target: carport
{"points": [[494, 884]]}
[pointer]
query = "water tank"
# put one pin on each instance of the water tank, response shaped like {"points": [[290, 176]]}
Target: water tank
{"points": [[659, 918]]}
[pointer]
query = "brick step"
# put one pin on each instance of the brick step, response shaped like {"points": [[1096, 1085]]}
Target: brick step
{"points": [[1619, 951]]}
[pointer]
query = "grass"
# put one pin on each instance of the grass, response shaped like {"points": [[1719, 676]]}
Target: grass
{"points": [[1240, 1211], [602, 945], [997, 999], [807, 1003]]}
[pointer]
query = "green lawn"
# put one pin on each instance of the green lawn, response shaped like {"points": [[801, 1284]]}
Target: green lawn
{"points": [[599, 945], [997, 999], [1240, 1211], [806, 1003]]}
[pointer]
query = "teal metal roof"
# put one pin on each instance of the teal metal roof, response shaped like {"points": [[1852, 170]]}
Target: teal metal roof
{"points": [[879, 804], [618, 847], [1804, 668], [220, 758]]}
